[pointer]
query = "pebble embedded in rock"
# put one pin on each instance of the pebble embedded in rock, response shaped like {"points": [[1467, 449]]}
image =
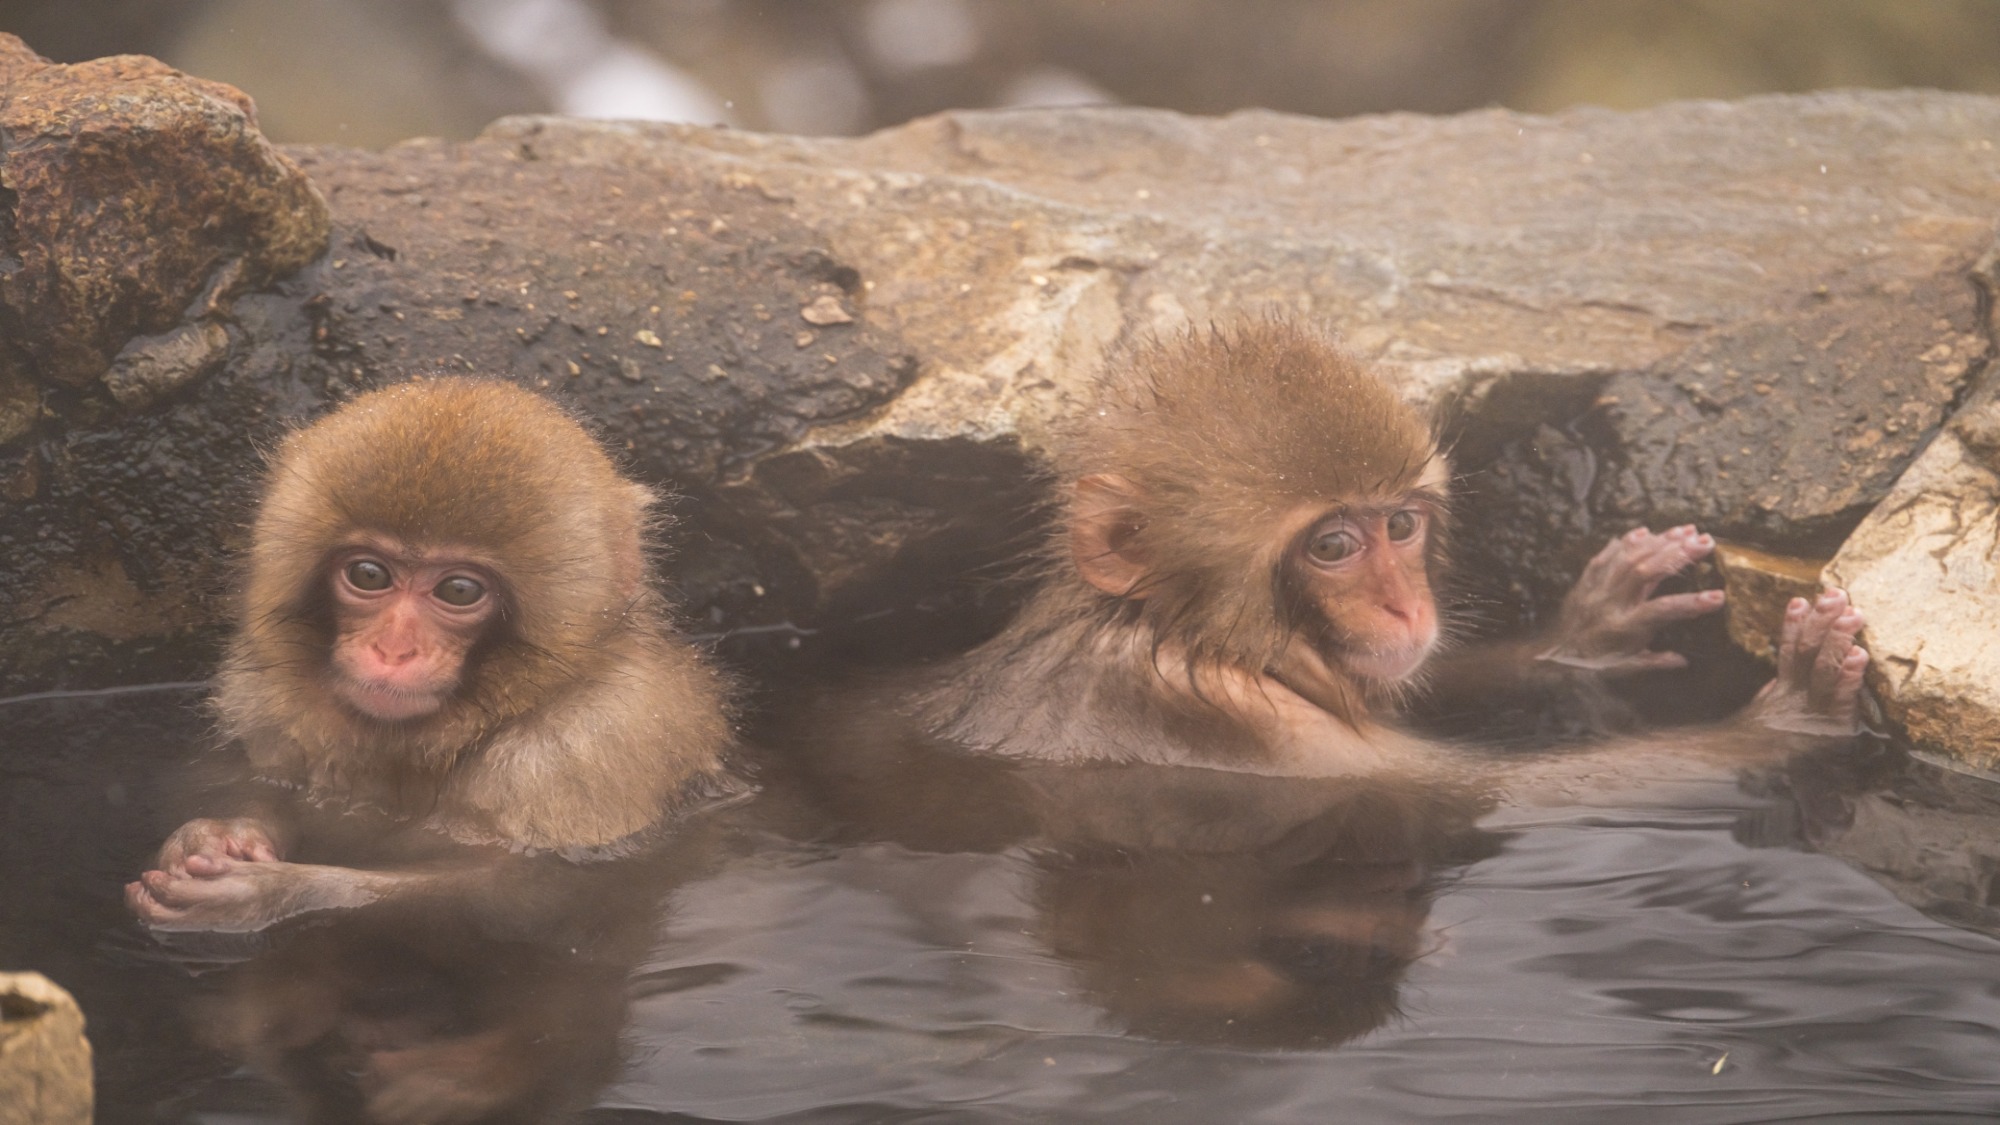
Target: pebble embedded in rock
{"points": [[826, 310]]}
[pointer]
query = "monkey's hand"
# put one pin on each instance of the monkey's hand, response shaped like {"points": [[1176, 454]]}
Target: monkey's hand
{"points": [[239, 838], [1608, 620], [1818, 687], [217, 894]]}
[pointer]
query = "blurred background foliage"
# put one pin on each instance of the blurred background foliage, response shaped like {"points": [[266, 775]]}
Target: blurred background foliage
{"points": [[371, 72]]}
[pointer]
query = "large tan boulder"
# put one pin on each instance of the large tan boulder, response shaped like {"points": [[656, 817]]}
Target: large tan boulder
{"points": [[1925, 566]]}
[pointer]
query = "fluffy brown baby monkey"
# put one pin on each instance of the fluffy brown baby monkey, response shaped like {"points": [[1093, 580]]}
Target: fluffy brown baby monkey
{"points": [[446, 621], [1252, 527]]}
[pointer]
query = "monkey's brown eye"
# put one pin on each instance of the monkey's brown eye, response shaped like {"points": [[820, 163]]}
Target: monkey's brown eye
{"points": [[367, 574], [1333, 546], [1403, 524], [459, 590]]}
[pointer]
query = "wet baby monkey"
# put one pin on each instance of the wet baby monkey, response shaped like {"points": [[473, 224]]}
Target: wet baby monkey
{"points": [[1252, 526], [448, 654]]}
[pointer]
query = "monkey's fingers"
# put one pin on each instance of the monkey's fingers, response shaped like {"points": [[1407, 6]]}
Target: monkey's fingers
{"points": [[165, 888], [1817, 623], [1788, 643], [1804, 632], [203, 865], [1654, 662], [1612, 566], [213, 885], [1608, 557], [1656, 612], [154, 914], [254, 849], [1830, 662], [1847, 690], [141, 902], [1677, 549], [173, 856], [1632, 566]]}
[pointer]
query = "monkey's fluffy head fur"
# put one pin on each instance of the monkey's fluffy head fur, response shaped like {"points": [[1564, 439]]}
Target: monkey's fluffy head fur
{"points": [[1230, 436], [474, 465]]}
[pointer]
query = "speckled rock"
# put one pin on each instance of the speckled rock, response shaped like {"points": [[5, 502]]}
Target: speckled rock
{"points": [[136, 196], [44, 1058], [1925, 567]]}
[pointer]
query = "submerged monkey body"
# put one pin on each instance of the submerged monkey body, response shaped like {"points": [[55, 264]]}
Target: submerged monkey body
{"points": [[1054, 689]]}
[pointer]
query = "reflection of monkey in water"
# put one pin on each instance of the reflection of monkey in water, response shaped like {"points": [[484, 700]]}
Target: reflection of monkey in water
{"points": [[410, 1012], [453, 1007], [451, 680], [1194, 904], [1286, 917]]}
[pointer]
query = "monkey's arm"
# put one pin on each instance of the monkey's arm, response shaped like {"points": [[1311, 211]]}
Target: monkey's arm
{"points": [[1815, 697], [1606, 624], [222, 894]]}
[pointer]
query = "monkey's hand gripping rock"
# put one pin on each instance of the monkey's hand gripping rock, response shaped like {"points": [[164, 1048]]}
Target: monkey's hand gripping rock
{"points": [[1817, 690], [1608, 620]]}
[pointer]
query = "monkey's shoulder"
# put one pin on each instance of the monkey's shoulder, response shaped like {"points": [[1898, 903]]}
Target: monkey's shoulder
{"points": [[610, 758]]}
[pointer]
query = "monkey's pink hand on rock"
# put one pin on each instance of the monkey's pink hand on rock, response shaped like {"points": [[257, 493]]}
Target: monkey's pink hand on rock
{"points": [[218, 894], [1818, 686], [1608, 620]]}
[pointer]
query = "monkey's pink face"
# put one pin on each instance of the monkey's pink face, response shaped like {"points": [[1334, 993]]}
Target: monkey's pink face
{"points": [[1366, 569], [405, 625]]}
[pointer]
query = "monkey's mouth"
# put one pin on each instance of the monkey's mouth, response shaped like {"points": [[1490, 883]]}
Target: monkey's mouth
{"points": [[1386, 664], [388, 702]]}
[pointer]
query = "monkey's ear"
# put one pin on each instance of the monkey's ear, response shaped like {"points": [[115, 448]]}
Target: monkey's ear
{"points": [[1104, 520]]}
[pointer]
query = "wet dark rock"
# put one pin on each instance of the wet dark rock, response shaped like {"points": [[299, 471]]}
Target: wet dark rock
{"points": [[846, 354], [131, 196]]}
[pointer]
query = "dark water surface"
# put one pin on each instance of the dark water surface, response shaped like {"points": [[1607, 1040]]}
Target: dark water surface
{"points": [[1273, 951]]}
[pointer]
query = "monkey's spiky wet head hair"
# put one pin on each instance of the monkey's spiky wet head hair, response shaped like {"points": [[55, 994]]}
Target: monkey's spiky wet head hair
{"points": [[1226, 436]]}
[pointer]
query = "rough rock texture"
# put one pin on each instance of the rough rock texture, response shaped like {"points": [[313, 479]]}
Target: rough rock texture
{"points": [[131, 197], [1925, 565], [44, 1058], [845, 353], [137, 205]]}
